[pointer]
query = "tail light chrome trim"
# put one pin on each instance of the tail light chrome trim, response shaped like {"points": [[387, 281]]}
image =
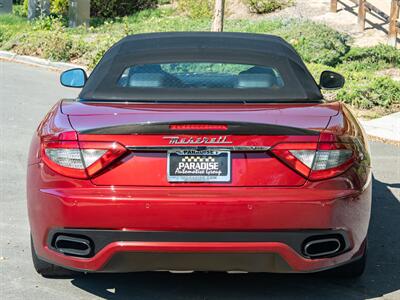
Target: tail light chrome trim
{"points": [[219, 148]]}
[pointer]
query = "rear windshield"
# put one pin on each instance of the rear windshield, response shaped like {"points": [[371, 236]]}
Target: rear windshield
{"points": [[210, 68], [202, 75]]}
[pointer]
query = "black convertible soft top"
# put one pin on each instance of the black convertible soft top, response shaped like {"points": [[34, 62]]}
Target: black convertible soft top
{"points": [[227, 47]]}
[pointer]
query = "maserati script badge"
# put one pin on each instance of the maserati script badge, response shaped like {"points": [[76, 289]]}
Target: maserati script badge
{"points": [[176, 140]]}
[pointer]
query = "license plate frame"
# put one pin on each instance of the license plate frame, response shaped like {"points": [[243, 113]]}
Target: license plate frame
{"points": [[207, 160]]}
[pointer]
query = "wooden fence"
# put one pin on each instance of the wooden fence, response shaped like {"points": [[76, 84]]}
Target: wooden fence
{"points": [[365, 7]]}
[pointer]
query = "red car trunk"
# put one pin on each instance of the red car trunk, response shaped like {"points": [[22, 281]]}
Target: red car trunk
{"points": [[147, 166]]}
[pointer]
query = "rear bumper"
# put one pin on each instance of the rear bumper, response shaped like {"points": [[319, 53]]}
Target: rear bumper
{"points": [[119, 251], [197, 210]]}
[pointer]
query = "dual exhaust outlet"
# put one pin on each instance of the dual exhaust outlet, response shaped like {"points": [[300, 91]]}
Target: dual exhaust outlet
{"points": [[73, 246], [313, 247], [322, 247]]}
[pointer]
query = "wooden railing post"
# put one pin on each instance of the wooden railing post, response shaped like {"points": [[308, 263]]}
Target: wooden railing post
{"points": [[394, 15], [333, 6], [361, 15]]}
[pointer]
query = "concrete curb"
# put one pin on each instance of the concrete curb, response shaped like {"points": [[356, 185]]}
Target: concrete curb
{"points": [[386, 128], [373, 138], [38, 62]]}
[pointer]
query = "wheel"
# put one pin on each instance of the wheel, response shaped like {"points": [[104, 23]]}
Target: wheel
{"points": [[49, 270], [354, 269]]}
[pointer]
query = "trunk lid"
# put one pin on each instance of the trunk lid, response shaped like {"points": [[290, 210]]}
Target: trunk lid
{"points": [[245, 131]]}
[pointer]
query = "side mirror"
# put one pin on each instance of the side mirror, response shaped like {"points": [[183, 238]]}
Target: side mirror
{"points": [[75, 78], [331, 80]]}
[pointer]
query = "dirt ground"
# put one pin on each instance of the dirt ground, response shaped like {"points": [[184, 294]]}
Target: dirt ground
{"points": [[344, 20]]}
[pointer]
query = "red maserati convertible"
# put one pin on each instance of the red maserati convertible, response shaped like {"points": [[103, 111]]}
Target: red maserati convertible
{"points": [[199, 152]]}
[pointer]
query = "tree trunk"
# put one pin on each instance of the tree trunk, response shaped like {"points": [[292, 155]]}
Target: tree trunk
{"points": [[218, 20], [79, 13]]}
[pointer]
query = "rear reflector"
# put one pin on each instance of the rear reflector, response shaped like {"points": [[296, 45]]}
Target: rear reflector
{"points": [[80, 159], [316, 161]]}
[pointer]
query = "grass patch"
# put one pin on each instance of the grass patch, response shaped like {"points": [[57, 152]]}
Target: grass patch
{"points": [[321, 49], [324, 46], [11, 26], [372, 58]]}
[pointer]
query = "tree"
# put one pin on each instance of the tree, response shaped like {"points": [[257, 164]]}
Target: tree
{"points": [[38, 8], [218, 20]]}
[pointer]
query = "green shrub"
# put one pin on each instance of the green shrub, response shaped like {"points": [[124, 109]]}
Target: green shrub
{"points": [[267, 6], [317, 69], [196, 9], [48, 23], [363, 89], [372, 91], [371, 58], [25, 6], [49, 39], [18, 10], [4, 36], [101, 8], [59, 7], [118, 8], [316, 43], [46, 44]]}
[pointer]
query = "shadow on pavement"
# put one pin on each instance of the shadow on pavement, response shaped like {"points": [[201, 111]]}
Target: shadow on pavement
{"points": [[382, 274]]}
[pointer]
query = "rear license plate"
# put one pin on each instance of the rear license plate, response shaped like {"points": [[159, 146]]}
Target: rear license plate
{"points": [[199, 166]]}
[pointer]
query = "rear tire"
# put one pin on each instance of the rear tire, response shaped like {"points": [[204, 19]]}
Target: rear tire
{"points": [[49, 270]]}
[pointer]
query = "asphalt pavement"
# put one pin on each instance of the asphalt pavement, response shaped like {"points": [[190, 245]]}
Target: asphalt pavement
{"points": [[27, 93]]}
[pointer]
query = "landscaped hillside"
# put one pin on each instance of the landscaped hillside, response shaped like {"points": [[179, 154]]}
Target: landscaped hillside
{"points": [[367, 70]]}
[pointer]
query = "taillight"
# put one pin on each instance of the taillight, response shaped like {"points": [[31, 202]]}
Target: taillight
{"points": [[316, 161], [80, 159]]}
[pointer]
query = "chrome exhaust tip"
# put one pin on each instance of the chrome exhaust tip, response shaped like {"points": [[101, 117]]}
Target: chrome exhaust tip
{"points": [[73, 246], [181, 272], [322, 247]]}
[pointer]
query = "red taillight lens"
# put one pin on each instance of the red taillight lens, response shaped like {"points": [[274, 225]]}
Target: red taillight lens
{"points": [[316, 161], [80, 159]]}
